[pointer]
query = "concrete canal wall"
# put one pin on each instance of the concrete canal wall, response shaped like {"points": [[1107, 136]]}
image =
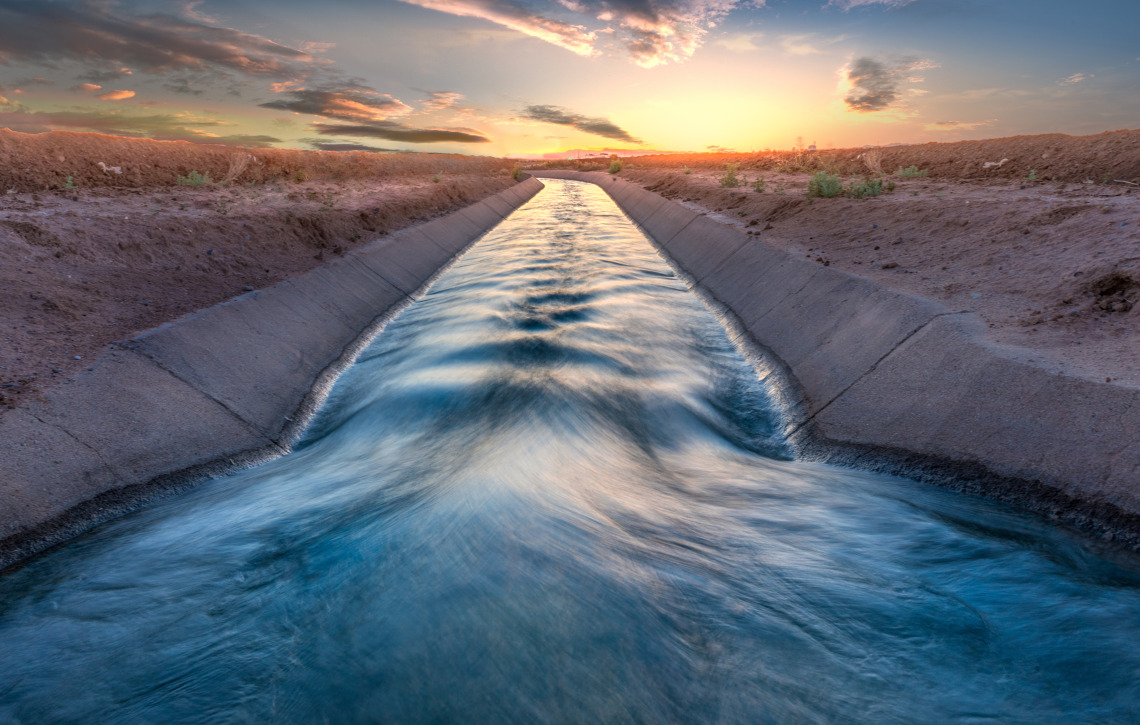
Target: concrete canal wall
{"points": [[214, 390], [894, 382]]}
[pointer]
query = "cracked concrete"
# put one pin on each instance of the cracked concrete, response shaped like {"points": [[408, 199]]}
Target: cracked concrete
{"points": [[885, 380]]}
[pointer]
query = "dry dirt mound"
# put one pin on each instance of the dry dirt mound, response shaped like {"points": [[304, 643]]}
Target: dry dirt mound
{"points": [[44, 161]]}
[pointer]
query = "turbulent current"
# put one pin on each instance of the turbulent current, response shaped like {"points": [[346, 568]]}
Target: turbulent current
{"points": [[553, 490]]}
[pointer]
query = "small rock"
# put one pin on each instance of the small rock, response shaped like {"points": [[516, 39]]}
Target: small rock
{"points": [[248, 288], [77, 357], [890, 265], [209, 251]]}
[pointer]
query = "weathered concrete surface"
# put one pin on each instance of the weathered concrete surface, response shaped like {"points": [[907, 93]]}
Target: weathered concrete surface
{"points": [[899, 383], [214, 390]]}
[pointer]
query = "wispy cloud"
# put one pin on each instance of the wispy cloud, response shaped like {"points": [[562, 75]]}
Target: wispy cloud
{"points": [[740, 42], [86, 88], [958, 125], [391, 131], [343, 104], [104, 76], [652, 32], [96, 31], [878, 84], [339, 146], [806, 43], [849, 4], [116, 95], [560, 116], [441, 100], [1076, 78], [575, 38]]}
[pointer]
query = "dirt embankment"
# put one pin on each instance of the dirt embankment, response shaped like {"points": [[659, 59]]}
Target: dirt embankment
{"points": [[80, 268], [59, 160], [1052, 268]]}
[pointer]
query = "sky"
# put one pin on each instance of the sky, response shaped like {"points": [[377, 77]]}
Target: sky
{"points": [[532, 77]]}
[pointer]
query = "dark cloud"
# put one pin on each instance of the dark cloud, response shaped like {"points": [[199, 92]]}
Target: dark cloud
{"points": [[333, 146], [873, 86], [876, 85], [98, 32], [390, 131], [352, 104], [183, 86], [562, 117], [103, 76], [23, 82]]}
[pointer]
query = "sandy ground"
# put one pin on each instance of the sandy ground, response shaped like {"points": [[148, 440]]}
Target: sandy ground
{"points": [[1052, 268], [82, 268]]}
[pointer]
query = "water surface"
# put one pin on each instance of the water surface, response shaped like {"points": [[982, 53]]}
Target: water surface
{"points": [[553, 491]]}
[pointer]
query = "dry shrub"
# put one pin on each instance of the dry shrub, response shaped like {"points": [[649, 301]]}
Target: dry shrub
{"points": [[874, 160]]}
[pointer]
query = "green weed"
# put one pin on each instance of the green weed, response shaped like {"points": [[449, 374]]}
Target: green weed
{"points": [[911, 172], [195, 179], [730, 180], [863, 189], [615, 166], [824, 185]]}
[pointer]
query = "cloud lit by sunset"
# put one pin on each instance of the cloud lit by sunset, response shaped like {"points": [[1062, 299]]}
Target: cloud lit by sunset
{"points": [[533, 77]]}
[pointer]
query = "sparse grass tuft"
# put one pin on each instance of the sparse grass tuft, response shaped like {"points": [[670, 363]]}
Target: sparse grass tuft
{"points": [[615, 166], [686, 171], [70, 184], [194, 179], [1032, 175], [911, 172], [863, 189], [760, 184], [730, 180], [516, 173], [436, 178], [824, 185]]}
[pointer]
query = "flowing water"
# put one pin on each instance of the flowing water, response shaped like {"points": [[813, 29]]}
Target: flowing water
{"points": [[553, 491]]}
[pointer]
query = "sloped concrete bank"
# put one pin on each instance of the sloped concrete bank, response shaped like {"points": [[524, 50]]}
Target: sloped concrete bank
{"points": [[215, 390], [893, 382]]}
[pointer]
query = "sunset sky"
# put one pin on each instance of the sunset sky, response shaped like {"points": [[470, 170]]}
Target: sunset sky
{"points": [[527, 77]]}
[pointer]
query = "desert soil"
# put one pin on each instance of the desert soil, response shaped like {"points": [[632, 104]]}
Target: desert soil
{"points": [[1052, 268], [82, 268], [1051, 265]]}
